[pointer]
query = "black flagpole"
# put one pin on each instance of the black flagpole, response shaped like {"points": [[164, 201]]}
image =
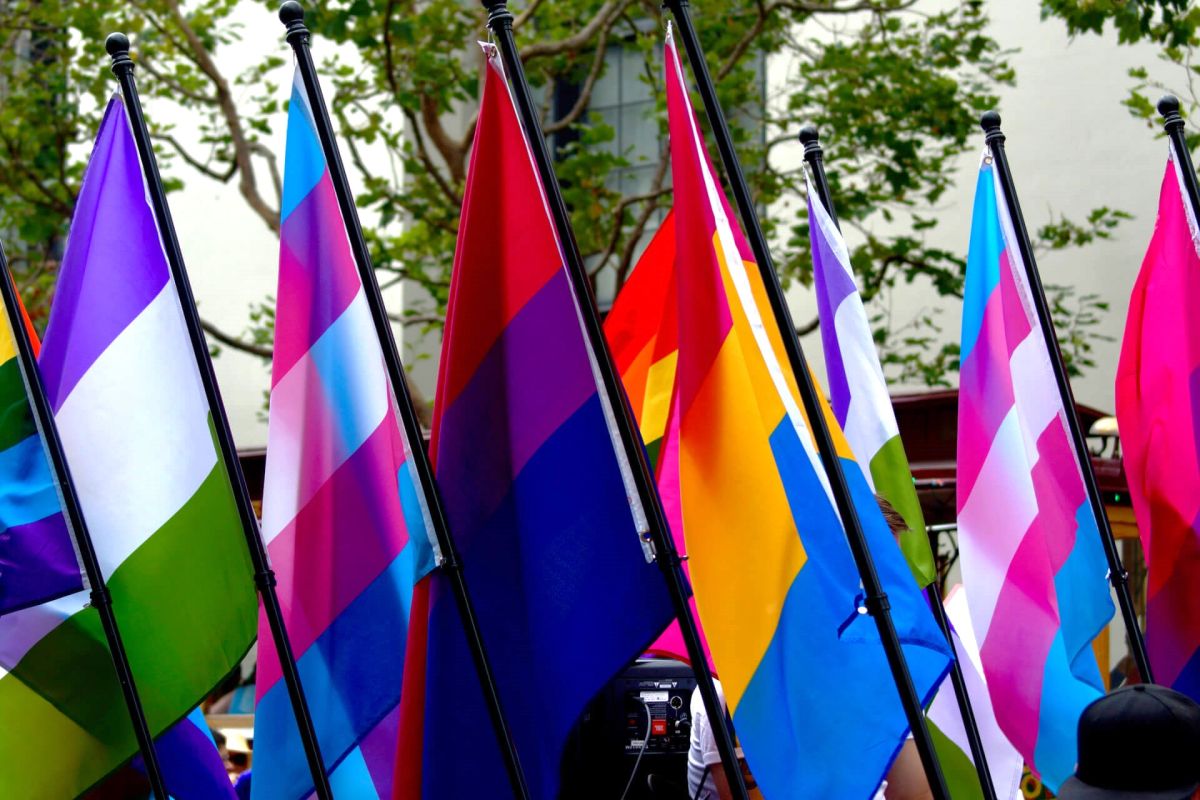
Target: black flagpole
{"points": [[815, 157], [291, 13], [500, 20], [117, 46], [100, 598], [876, 600], [1118, 577]]}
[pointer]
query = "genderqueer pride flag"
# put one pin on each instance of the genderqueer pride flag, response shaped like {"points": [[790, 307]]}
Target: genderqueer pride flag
{"points": [[122, 378], [857, 389], [1032, 565], [38, 561], [805, 674], [945, 720], [1158, 410], [344, 522]]}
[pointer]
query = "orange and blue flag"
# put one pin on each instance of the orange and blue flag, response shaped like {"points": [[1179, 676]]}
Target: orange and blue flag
{"points": [[803, 669], [537, 490]]}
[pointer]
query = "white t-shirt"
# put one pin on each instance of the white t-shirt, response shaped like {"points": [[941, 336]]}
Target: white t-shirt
{"points": [[703, 753]]}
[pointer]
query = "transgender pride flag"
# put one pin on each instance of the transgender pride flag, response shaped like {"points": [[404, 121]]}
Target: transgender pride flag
{"points": [[1159, 415], [344, 525], [1032, 564]]}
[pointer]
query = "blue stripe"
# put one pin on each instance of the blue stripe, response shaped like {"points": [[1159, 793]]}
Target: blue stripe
{"points": [[1081, 581], [27, 490], [565, 599], [352, 778], [983, 260], [304, 158], [347, 377], [849, 720], [352, 677], [1063, 699], [412, 505]]}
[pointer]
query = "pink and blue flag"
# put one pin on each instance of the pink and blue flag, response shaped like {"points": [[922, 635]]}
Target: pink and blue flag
{"points": [[1158, 409], [344, 523], [538, 493], [1032, 563]]}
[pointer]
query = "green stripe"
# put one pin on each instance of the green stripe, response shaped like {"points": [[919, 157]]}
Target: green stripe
{"points": [[186, 606], [957, 766], [16, 419], [893, 480]]}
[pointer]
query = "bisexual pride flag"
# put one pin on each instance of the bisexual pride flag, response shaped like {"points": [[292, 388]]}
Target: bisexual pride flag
{"points": [[1158, 409], [805, 674], [38, 561], [538, 493], [1032, 564], [344, 523]]}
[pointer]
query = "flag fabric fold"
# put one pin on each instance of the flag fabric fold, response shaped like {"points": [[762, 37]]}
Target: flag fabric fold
{"points": [[345, 524], [777, 588], [38, 560], [954, 750], [136, 427], [857, 389], [1159, 417], [537, 489], [1032, 563]]}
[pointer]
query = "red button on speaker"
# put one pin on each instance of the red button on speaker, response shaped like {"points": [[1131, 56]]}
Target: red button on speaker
{"points": [[658, 727]]}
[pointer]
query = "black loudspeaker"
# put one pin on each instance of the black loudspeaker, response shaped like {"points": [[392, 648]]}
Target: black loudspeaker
{"points": [[641, 720]]}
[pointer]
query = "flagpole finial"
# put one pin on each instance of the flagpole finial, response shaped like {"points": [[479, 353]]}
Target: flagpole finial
{"points": [[117, 45], [1168, 107], [291, 14], [990, 122], [811, 139], [498, 13]]}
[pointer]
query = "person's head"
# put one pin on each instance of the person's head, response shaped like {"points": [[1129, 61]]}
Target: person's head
{"points": [[1138, 742], [891, 516]]}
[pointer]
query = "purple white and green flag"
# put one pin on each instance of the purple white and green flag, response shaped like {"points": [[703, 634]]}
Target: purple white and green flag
{"points": [[857, 389], [122, 378]]}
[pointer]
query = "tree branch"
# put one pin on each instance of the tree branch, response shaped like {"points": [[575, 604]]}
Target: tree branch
{"points": [[262, 351], [585, 93], [195, 163], [603, 18]]}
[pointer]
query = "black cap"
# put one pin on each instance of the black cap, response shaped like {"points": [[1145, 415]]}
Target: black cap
{"points": [[1139, 742]]}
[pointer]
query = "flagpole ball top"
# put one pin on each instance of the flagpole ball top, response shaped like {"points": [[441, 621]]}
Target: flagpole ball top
{"points": [[990, 121], [290, 12], [117, 44], [810, 137], [1168, 104]]}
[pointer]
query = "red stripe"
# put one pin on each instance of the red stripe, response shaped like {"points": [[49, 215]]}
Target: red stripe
{"points": [[409, 750]]}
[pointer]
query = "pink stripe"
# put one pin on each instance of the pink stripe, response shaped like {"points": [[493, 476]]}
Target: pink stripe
{"points": [[317, 276], [341, 540], [985, 381], [1026, 618]]}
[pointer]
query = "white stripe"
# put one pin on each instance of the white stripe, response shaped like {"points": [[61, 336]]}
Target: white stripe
{"points": [[1001, 507], [870, 422], [136, 434], [301, 456]]}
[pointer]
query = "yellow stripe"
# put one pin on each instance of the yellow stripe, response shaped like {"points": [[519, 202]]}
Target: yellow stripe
{"points": [[8, 347], [660, 380]]}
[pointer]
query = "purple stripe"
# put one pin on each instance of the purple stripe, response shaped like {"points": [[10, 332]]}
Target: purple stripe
{"points": [[114, 263], [531, 381], [37, 564], [190, 763], [317, 276], [379, 751], [833, 286]]}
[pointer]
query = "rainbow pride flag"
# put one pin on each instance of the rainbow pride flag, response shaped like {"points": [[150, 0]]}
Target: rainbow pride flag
{"points": [[857, 389], [1032, 563], [38, 561], [803, 670], [344, 523], [136, 427], [536, 488], [1159, 417]]}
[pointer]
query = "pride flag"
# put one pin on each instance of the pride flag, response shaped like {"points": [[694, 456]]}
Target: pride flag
{"points": [[344, 523], [857, 389], [190, 762], [803, 670], [1032, 563], [1159, 417], [132, 414], [537, 490], [37, 554]]}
